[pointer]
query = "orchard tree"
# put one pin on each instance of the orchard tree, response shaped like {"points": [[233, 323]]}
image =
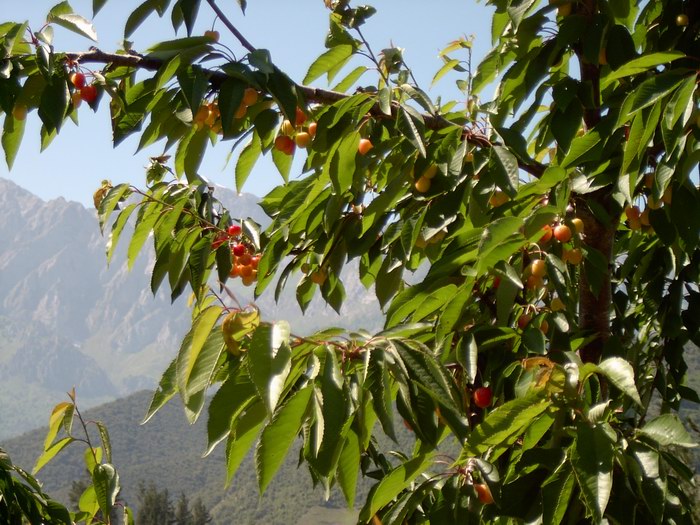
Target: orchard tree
{"points": [[539, 360]]}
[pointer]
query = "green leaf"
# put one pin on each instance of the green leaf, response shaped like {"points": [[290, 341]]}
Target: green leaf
{"points": [[592, 461], [58, 416], [409, 127], [48, 454], [106, 482], [194, 153], [499, 241], [54, 103], [668, 430], [449, 65], [506, 170], [504, 424], [581, 146], [270, 362], [350, 79], [467, 354], [335, 415], [97, 5], [117, 229], [278, 436], [392, 484], [621, 374], [146, 219], [75, 23], [640, 65], [331, 59], [106, 442], [232, 398], [247, 160], [349, 467], [556, 493], [654, 89], [199, 353], [242, 436], [137, 17], [167, 388], [12, 133], [378, 383]]}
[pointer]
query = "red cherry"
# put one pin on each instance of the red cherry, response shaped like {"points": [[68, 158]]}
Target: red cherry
{"points": [[300, 117], [88, 93], [78, 80], [364, 146], [547, 235], [218, 241], [483, 397], [562, 233], [238, 249], [234, 230], [285, 144], [483, 493], [524, 320]]}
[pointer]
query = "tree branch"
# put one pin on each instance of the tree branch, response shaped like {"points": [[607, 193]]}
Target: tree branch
{"points": [[310, 94]]}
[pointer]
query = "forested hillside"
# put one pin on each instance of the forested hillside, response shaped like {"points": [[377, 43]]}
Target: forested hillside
{"points": [[167, 451]]}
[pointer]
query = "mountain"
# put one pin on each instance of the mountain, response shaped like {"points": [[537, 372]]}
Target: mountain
{"points": [[67, 319], [167, 451]]}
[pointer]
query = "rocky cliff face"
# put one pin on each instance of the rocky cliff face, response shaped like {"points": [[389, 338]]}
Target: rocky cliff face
{"points": [[67, 319]]}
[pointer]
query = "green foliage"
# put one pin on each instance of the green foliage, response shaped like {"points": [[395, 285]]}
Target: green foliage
{"points": [[461, 194]]}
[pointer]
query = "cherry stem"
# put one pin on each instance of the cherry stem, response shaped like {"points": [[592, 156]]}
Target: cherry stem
{"points": [[224, 19]]}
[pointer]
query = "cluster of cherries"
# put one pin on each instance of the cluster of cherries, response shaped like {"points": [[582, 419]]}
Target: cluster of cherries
{"points": [[295, 135], [209, 114], [83, 90], [244, 260]]}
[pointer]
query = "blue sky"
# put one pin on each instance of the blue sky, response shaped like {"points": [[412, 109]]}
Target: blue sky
{"points": [[80, 157]]}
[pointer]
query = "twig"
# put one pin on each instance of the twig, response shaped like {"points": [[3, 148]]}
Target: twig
{"points": [[224, 19], [310, 94]]}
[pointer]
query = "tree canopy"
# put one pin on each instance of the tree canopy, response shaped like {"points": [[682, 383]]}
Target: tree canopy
{"points": [[536, 254]]}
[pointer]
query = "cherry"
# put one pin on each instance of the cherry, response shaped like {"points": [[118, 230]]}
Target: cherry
{"points": [[547, 235], [250, 96], [430, 172], [364, 146], [483, 492], [524, 320], [562, 233], [312, 129], [577, 224], [218, 241], [422, 185], [287, 128], [78, 80], [238, 249], [214, 35], [538, 268], [300, 117], [234, 230], [88, 93], [498, 198], [285, 144], [302, 139], [483, 397]]}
